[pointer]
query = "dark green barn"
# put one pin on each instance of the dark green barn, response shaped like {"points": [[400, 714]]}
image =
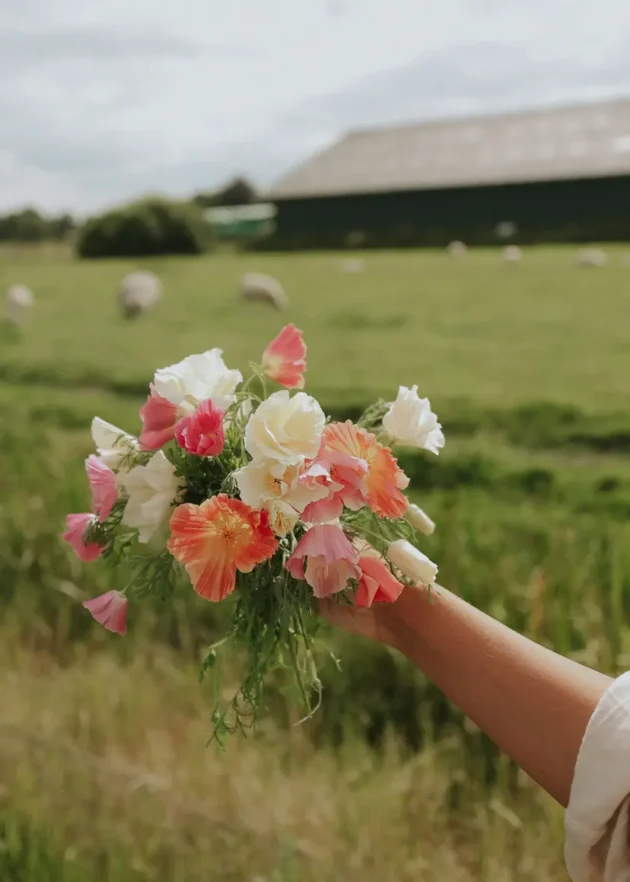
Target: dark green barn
{"points": [[555, 175]]}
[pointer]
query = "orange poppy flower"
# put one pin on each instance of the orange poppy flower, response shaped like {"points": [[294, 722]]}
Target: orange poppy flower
{"points": [[384, 479], [215, 539]]}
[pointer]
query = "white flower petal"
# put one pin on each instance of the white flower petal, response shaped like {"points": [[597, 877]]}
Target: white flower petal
{"points": [[152, 489], [198, 377], [260, 481], [282, 516], [112, 444], [286, 429], [411, 422]]}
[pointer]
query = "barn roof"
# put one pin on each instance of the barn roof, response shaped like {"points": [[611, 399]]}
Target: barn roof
{"points": [[586, 141]]}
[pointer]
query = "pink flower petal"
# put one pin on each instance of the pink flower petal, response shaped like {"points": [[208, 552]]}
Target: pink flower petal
{"points": [[329, 578], [323, 510], [366, 592], [331, 561], [110, 611], [284, 360], [347, 486], [77, 525], [159, 418], [377, 584], [201, 432], [103, 486], [327, 541]]}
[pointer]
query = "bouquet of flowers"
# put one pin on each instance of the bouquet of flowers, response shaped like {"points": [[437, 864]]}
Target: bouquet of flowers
{"points": [[258, 494]]}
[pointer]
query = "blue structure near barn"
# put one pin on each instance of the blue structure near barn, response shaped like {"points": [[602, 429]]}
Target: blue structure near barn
{"points": [[549, 175]]}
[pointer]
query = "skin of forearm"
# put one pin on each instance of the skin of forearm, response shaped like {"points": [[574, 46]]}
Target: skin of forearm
{"points": [[533, 703]]}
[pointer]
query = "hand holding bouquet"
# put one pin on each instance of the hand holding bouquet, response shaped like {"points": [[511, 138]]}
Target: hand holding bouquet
{"points": [[258, 494]]}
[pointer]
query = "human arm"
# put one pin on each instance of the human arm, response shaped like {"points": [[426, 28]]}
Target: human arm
{"points": [[533, 703]]}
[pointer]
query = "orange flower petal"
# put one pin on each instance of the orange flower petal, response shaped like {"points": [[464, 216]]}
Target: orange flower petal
{"points": [[384, 479], [215, 539]]}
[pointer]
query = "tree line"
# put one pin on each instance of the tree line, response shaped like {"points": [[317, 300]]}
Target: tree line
{"points": [[143, 227], [29, 225]]}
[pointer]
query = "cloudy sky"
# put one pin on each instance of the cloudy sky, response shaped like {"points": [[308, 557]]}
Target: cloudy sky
{"points": [[108, 99]]}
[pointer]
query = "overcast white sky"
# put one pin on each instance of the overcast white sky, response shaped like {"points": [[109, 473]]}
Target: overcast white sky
{"points": [[103, 100]]}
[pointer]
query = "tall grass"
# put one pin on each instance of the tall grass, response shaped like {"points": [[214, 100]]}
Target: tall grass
{"points": [[108, 764]]}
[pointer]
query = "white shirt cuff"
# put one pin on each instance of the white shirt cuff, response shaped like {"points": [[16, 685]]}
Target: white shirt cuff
{"points": [[596, 821]]}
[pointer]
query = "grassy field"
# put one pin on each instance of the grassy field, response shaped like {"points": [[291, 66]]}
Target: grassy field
{"points": [[104, 773]]}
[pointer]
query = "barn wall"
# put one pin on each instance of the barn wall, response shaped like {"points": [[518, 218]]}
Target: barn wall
{"points": [[584, 210]]}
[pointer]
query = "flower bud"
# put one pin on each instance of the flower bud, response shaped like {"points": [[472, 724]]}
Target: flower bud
{"points": [[412, 563], [419, 519]]}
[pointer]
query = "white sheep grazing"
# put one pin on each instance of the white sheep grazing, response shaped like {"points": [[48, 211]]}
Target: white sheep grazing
{"points": [[592, 257], [457, 249], [139, 292], [512, 254], [19, 303], [352, 265], [265, 289]]}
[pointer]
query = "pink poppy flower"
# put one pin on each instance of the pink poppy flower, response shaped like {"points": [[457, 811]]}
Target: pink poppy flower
{"points": [[331, 561], [103, 486], [384, 480], [346, 478], [159, 418], [74, 536], [110, 611], [201, 432], [377, 583], [284, 360]]}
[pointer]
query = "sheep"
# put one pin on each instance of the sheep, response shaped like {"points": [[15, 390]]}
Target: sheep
{"points": [[592, 257], [457, 249], [352, 265], [512, 254], [139, 292], [19, 303], [265, 289]]}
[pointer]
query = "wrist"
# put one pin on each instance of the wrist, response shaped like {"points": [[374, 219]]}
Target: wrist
{"points": [[409, 619]]}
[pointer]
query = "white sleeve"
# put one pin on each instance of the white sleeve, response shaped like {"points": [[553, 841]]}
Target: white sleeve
{"points": [[597, 838]]}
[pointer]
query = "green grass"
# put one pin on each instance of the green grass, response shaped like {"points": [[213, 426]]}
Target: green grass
{"points": [[475, 329], [528, 368]]}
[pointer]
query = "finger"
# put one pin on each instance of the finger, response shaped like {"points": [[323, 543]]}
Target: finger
{"points": [[337, 613], [356, 621]]}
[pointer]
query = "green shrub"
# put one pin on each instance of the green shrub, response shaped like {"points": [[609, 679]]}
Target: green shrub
{"points": [[148, 227]]}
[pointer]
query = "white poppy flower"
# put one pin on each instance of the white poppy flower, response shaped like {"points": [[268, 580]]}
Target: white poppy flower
{"points": [[112, 444], [263, 481], [260, 481], [262, 485], [285, 429], [152, 489], [411, 422], [412, 562], [196, 378]]}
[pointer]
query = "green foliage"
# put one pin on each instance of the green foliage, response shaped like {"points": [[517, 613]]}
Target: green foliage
{"points": [[236, 192], [148, 227], [30, 226]]}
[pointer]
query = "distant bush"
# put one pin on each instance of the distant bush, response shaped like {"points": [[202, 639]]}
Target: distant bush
{"points": [[30, 226], [152, 226]]}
